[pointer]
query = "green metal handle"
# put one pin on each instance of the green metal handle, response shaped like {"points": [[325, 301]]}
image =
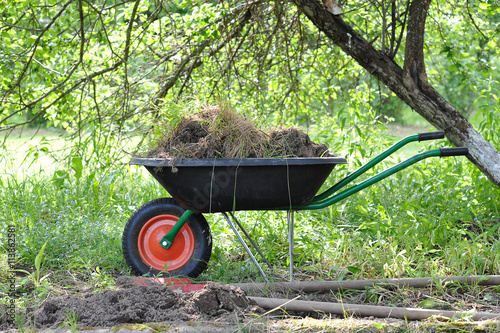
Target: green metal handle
{"points": [[458, 151], [430, 136], [398, 145], [384, 174]]}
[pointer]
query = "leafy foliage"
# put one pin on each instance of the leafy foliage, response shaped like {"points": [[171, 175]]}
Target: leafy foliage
{"points": [[103, 70]]}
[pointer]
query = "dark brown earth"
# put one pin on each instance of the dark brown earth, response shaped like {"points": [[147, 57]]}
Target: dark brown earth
{"points": [[218, 132], [229, 305], [140, 304]]}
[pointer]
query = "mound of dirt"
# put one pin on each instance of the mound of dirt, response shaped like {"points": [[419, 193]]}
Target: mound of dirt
{"points": [[219, 132], [293, 142], [141, 304]]}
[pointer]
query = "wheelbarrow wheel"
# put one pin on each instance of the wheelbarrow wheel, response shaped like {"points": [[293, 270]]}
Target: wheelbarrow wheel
{"points": [[191, 249]]}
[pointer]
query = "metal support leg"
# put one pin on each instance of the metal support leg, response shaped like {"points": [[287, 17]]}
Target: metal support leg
{"points": [[251, 240], [290, 241], [245, 246]]}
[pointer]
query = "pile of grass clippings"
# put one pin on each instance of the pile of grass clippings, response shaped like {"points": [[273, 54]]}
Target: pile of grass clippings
{"points": [[219, 132]]}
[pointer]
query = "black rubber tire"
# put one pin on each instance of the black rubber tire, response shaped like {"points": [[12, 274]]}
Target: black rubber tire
{"points": [[199, 227]]}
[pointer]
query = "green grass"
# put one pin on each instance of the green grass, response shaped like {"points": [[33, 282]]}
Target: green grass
{"points": [[439, 217], [30, 151]]}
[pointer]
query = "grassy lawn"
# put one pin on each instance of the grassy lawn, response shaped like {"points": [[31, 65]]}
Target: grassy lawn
{"points": [[24, 153], [440, 217], [437, 218]]}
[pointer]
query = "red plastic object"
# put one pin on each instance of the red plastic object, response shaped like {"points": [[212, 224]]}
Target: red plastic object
{"points": [[182, 284], [154, 254]]}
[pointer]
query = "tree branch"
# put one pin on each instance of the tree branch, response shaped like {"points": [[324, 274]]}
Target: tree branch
{"points": [[194, 56], [403, 26], [99, 14], [57, 87], [472, 20], [82, 31], [34, 46], [415, 76], [127, 38]]}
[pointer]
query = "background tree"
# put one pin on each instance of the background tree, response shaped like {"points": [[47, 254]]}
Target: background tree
{"points": [[409, 83]]}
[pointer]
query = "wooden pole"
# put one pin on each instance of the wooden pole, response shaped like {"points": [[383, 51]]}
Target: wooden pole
{"points": [[347, 310], [314, 286]]}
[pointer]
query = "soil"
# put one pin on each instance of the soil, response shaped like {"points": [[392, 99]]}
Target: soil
{"points": [[141, 304], [218, 132], [228, 308]]}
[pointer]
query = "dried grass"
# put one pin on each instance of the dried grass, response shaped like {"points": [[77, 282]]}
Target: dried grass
{"points": [[219, 132]]}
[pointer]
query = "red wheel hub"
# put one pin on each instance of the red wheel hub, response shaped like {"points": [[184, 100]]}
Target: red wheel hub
{"points": [[154, 255]]}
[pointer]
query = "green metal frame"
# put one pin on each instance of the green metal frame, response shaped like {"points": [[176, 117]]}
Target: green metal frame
{"points": [[366, 167], [168, 239], [330, 200], [329, 197]]}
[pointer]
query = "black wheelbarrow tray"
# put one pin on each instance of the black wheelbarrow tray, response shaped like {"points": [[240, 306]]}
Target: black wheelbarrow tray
{"points": [[170, 236]]}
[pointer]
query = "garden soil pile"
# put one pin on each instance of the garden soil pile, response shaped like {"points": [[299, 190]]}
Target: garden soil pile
{"points": [[218, 132], [130, 303]]}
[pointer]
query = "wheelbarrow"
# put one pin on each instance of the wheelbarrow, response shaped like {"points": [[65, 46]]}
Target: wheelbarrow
{"points": [[170, 237]]}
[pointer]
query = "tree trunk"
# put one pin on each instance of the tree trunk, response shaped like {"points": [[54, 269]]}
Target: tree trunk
{"points": [[409, 84]]}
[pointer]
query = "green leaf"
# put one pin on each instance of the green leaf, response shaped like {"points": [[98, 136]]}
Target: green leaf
{"points": [[38, 259], [379, 326], [362, 210], [215, 34], [32, 38], [59, 177], [77, 165], [428, 304], [342, 124], [354, 269]]}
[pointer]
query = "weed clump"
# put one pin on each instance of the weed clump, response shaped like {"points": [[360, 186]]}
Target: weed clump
{"points": [[219, 132]]}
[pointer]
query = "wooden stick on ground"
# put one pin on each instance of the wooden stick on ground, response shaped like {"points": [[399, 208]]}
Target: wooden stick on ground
{"points": [[345, 309], [314, 286]]}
